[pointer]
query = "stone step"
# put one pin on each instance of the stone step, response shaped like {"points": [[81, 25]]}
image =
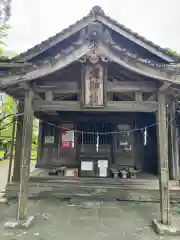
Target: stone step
{"points": [[109, 182], [93, 193]]}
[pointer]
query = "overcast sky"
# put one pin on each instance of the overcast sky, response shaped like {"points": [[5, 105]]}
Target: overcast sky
{"points": [[33, 21]]}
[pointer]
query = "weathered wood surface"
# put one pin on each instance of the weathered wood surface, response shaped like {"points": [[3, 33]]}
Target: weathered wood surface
{"points": [[25, 155], [88, 20], [133, 38], [61, 86], [129, 86], [84, 23], [138, 96], [139, 67], [46, 69], [116, 106], [77, 53], [165, 86], [109, 190], [163, 159], [49, 95], [59, 37]]}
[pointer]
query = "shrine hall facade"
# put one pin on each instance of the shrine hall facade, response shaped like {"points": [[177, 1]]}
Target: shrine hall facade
{"points": [[106, 99]]}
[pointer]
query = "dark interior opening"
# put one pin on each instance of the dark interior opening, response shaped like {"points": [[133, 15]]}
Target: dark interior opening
{"points": [[150, 158], [121, 149], [99, 129]]}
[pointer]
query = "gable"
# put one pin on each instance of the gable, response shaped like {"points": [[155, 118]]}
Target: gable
{"points": [[104, 50], [119, 32]]}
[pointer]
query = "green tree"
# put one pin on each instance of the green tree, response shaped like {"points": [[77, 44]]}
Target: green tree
{"points": [[173, 52], [8, 108], [5, 13], [35, 138]]}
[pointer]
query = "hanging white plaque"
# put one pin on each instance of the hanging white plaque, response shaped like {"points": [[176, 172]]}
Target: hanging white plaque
{"points": [[49, 139], [103, 165], [86, 166]]}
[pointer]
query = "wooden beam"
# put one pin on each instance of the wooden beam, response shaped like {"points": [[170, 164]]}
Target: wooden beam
{"points": [[115, 86], [109, 96], [49, 95], [130, 86], [47, 69], [108, 51], [165, 86], [58, 87], [112, 106], [14, 64], [25, 155], [163, 160], [138, 67], [24, 85]]}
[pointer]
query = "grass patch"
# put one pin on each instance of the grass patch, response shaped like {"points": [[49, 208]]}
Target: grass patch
{"points": [[33, 156], [1, 154]]}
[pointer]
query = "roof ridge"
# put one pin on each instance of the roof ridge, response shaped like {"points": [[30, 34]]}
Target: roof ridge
{"points": [[97, 10]]}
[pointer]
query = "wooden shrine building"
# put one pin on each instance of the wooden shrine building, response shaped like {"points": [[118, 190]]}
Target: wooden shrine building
{"points": [[106, 99]]}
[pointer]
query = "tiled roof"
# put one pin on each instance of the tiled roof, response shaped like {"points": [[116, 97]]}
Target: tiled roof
{"points": [[95, 11]]}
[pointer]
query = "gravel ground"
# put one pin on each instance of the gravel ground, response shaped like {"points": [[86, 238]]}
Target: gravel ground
{"points": [[88, 220], [3, 173]]}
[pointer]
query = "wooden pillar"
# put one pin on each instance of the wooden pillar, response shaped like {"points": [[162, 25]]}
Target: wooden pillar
{"points": [[138, 96], [17, 158], [174, 142], [163, 159], [25, 155]]}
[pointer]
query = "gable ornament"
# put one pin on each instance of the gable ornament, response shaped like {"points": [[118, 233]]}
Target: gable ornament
{"points": [[93, 57]]}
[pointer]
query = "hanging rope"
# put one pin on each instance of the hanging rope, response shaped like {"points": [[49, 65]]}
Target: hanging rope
{"points": [[97, 142], [145, 136]]}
